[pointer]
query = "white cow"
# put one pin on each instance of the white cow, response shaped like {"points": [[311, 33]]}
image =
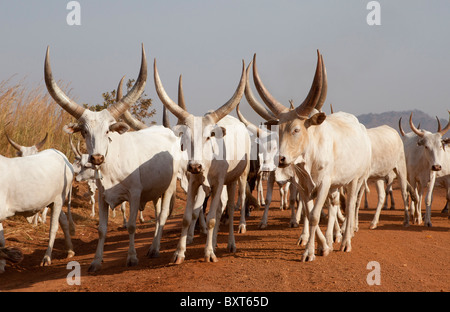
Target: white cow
{"points": [[387, 156], [27, 151], [84, 171], [218, 148], [328, 152], [133, 166], [31, 183], [425, 157], [268, 149]]}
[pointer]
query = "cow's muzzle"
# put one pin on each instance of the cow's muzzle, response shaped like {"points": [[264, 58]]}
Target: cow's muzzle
{"points": [[282, 162], [97, 159], [436, 167], [194, 168]]}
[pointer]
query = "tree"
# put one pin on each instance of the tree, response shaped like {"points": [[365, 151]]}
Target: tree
{"points": [[140, 109]]}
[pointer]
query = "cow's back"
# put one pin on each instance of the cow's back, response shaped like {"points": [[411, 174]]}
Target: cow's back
{"points": [[34, 182], [346, 139], [387, 150], [146, 160]]}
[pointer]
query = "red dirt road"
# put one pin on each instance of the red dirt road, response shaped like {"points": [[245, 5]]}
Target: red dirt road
{"points": [[413, 259]]}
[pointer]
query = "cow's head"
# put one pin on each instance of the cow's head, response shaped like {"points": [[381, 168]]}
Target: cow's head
{"points": [[294, 123], [267, 143], [27, 150], [97, 128], [433, 144], [81, 165], [201, 137]]}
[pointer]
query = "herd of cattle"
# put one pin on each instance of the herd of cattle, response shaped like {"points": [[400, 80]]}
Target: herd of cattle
{"points": [[319, 160]]}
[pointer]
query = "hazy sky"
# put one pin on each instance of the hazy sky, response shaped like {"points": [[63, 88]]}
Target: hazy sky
{"points": [[399, 65]]}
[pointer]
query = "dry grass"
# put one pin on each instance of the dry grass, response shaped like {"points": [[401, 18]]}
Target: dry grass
{"points": [[27, 114]]}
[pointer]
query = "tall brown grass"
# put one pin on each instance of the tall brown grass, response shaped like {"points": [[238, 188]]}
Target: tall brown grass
{"points": [[27, 114]]}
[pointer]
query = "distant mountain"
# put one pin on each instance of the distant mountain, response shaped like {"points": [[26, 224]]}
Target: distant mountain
{"points": [[391, 119]]}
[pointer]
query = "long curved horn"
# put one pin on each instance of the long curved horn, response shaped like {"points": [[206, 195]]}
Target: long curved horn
{"points": [[400, 127], [165, 118], [14, 144], [323, 93], [181, 102], [254, 129], [315, 92], [257, 106], [226, 108], [57, 94], [179, 112], [129, 119], [119, 91], [118, 108], [276, 107], [447, 127], [40, 144], [413, 128], [74, 150]]}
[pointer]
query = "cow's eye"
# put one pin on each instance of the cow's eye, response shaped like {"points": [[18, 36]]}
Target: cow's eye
{"points": [[296, 130]]}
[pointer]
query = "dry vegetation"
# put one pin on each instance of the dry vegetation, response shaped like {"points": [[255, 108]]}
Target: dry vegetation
{"points": [[27, 114]]}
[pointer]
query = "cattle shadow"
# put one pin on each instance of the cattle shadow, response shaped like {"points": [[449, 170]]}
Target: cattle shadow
{"points": [[395, 222]]}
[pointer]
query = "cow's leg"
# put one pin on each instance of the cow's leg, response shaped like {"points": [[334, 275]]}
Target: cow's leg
{"points": [[123, 209], [270, 183], [293, 204], [242, 185], [69, 212], [283, 194], [2, 244], [314, 217], [135, 202], [231, 190], [103, 211], [153, 251], [165, 203], [43, 217], [216, 192], [381, 196], [402, 178], [307, 208], [223, 206], [361, 191], [197, 214], [260, 190], [332, 211], [194, 184], [352, 189], [447, 185], [92, 205], [366, 202], [429, 199], [57, 216], [418, 205]]}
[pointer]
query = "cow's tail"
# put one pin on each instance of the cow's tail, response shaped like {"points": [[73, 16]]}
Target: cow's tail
{"points": [[11, 254]]}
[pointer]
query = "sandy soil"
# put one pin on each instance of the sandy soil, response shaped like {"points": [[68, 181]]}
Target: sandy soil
{"points": [[413, 259]]}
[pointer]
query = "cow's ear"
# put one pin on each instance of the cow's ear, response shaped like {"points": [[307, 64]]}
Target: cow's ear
{"points": [[119, 127], [72, 128], [315, 120], [219, 132]]}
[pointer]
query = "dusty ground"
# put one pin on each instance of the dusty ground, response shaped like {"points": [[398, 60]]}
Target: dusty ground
{"points": [[413, 259]]}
